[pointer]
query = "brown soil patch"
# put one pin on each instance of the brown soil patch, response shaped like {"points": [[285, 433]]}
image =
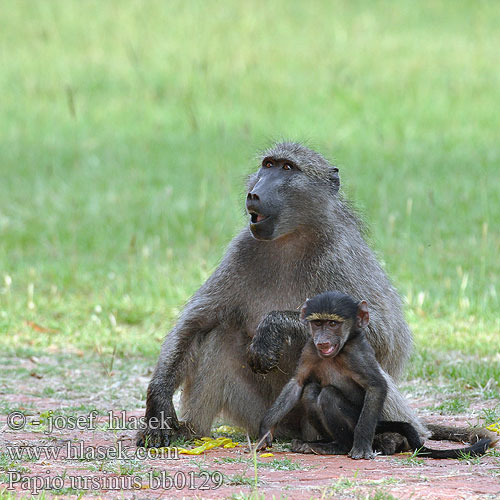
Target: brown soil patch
{"points": [[192, 476], [68, 467]]}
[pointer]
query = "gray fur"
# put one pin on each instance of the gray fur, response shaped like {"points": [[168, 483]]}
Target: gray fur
{"points": [[316, 245], [396, 408]]}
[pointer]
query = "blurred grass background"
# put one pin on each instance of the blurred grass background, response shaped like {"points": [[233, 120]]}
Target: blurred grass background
{"points": [[128, 128]]}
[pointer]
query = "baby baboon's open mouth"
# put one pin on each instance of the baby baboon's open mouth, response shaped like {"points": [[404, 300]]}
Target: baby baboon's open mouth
{"points": [[330, 351], [255, 217]]}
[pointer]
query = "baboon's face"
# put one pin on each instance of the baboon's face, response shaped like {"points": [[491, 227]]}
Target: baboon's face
{"points": [[332, 318], [329, 336], [282, 197]]}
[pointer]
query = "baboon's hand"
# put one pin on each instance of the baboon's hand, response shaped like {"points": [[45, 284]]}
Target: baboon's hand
{"points": [[298, 446], [152, 438], [261, 359], [362, 452], [275, 330], [265, 440], [157, 438]]}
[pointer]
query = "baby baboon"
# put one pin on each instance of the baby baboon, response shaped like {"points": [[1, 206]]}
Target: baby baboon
{"points": [[243, 322], [343, 388]]}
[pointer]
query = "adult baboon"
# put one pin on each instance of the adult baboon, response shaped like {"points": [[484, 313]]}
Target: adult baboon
{"points": [[303, 238]]}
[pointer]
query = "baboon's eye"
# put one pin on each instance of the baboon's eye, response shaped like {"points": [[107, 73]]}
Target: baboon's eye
{"points": [[333, 323], [268, 164], [287, 166], [317, 322]]}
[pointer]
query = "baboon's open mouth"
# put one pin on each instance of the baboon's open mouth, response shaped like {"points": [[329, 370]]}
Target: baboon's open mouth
{"points": [[256, 218], [330, 351]]}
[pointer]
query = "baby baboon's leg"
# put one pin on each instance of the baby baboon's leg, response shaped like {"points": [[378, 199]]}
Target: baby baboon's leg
{"points": [[337, 417], [312, 410]]}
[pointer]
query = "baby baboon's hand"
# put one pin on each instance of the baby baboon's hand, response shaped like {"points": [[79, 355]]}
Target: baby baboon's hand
{"points": [[265, 440]]}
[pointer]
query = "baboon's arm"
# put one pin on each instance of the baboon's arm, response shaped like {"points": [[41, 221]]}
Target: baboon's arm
{"points": [[280, 333], [366, 372], [193, 322], [285, 402], [198, 318], [364, 432]]}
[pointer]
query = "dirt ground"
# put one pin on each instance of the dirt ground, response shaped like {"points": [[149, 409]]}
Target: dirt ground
{"points": [[80, 461]]}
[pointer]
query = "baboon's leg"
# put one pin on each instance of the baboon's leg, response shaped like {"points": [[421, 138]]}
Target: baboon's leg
{"points": [[334, 417], [313, 412], [318, 447], [244, 404], [219, 380], [339, 415], [200, 405]]}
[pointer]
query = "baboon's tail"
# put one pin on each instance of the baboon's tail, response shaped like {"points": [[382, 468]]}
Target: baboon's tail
{"points": [[482, 439], [461, 434], [475, 450]]}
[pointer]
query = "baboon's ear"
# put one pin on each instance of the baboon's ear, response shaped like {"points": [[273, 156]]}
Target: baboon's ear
{"points": [[363, 317], [334, 177], [303, 312]]}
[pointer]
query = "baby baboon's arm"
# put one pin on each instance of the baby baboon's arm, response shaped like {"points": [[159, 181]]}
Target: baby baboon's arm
{"points": [[285, 402], [365, 371]]}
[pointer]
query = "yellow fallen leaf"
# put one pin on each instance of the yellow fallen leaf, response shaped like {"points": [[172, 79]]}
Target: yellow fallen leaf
{"points": [[265, 455], [208, 443], [227, 429], [494, 427], [209, 446], [193, 451], [156, 451]]}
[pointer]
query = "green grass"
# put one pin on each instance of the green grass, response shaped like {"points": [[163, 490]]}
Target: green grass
{"points": [[347, 488], [254, 495], [453, 406], [238, 479], [491, 415], [411, 460], [127, 131], [275, 464]]}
